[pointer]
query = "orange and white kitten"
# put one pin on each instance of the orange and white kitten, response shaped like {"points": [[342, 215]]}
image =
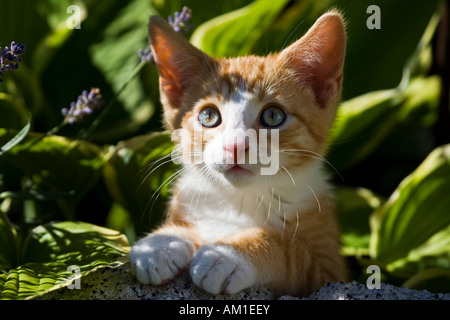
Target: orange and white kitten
{"points": [[230, 223]]}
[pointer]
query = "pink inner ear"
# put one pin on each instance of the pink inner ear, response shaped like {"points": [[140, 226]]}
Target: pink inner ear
{"points": [[325, 84], [318, 57], [170, 84], [178, 61]]}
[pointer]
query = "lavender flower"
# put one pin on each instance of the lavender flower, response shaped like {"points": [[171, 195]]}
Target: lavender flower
{"points": [[179, 23], [9, 58], [86, 103], [145, 55]]}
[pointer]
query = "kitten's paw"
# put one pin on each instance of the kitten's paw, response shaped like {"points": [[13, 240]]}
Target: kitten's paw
{"points": [[158, 258], [220, 268]]}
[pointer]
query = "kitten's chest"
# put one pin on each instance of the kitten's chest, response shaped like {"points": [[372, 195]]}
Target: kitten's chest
{"points": [[220, 214], [216, 215], [219, 211]]}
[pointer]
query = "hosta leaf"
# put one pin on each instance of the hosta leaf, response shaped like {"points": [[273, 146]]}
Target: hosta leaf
{"points": [[435, 252], [138, 177], [236, 32], [17, 138], [52, 248], [416, 216], [8, 240], [73, 243], [364, 122], [57, 164], [116, 57], [354, 208]]}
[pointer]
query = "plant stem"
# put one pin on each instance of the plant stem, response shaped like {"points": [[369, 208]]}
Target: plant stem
{"points": [[85, 133]]}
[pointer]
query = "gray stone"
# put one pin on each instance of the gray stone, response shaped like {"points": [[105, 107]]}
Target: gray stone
{"points": [[119, 284]]}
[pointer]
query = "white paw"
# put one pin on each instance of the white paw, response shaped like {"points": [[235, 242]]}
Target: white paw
{"points": [[158, 258], [220, 268]]}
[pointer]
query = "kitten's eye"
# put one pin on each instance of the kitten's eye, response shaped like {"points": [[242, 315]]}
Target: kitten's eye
{"points": [[272, 116], [209, 117]]}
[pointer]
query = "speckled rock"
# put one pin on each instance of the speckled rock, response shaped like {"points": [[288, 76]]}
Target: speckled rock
{"points": [[119, 284], [357, 291]]}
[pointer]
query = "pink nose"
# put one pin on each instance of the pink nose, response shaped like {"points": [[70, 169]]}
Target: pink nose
{"points": [[235, 152]]}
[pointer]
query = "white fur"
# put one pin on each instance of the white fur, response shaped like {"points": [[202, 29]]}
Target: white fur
{"points": [[219, 210], [159, 258], [219, 268]]}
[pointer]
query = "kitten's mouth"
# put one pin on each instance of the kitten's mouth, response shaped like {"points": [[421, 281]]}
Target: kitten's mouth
{"points": [[237, 170]]}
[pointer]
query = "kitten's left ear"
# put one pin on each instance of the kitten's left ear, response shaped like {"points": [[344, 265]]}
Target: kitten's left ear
{"points": [[318, 57]]}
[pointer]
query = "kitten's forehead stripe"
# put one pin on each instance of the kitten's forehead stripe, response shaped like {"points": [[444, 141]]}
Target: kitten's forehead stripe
{"points": [[252, 71]]}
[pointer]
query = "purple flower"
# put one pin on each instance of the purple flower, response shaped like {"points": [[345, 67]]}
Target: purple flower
{"points": [[145, 55], [179, 23], [86, 103], [9, 58]]}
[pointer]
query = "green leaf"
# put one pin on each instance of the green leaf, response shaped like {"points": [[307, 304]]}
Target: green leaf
{"points": [[14, 113], [138, 177], [354, 207], [73, 243], [366, 121], [116, 57], [57, 164], [433, 279], [236, 32], [431, 254], [362, 124], [382, 53], [51, 249], [9, 241], [17, 138], [415, 219]]}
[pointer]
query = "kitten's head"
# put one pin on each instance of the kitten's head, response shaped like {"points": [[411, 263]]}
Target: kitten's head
{"points": [[245, 117]]}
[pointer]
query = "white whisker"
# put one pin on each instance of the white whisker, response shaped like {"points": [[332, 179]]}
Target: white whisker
{"points": [[292, 179], [314, 156], [295, 231], [318, 202]]}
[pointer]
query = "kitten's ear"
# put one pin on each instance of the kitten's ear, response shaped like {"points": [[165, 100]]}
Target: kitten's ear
{"points": [[177, 60], [318, 57]]}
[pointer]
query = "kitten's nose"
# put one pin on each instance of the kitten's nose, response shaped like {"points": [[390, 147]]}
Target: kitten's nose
{"points": [[235, 152]]}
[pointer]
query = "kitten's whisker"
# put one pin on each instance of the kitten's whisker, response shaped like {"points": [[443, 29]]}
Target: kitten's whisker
{"points": [[315, 156], [176, 196], [154, 169], [147, 167], [292, 179], [270, 206], [166, 182], [260, 203], [295, 231], [315, 196], [204, 172], [156, 193], [284, 224]]}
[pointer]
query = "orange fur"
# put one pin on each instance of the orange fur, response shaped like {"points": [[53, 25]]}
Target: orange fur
{"points": [[296, 249]]}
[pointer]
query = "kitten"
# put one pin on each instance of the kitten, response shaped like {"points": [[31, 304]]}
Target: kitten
{"points": [[228, 223]]}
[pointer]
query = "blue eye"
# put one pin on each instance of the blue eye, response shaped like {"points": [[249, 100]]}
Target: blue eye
{"points": [[209, 117], [272, 116]]}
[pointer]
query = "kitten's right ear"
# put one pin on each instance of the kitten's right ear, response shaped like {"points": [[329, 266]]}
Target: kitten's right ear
{"points": [[318, 57], [177, 60]]}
